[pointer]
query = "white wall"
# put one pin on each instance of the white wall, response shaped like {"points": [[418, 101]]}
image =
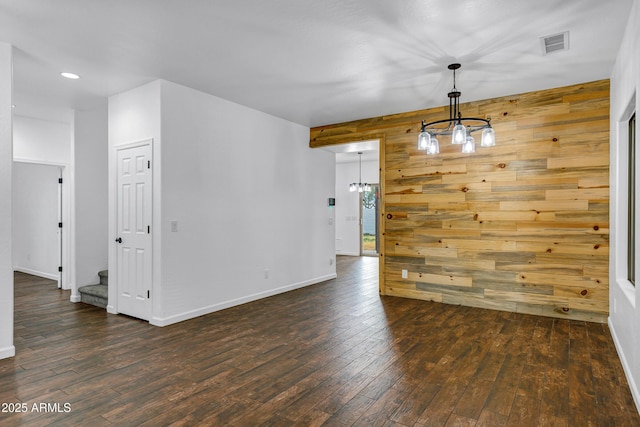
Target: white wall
{"points": [[38, 140], [91, 195], [249, 195], [7, 348], [624, 318], [347, 210], [36, 212]]}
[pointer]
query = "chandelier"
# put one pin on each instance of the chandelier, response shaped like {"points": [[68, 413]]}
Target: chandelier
{"points": [[359, 186], [460, 128]]}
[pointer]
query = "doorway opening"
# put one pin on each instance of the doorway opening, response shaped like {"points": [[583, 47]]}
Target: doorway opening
{"points": [[357, 228], [38, 220], [369, 229]]}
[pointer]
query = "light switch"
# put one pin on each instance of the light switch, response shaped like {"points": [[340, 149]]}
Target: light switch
{"points": [[174, 226]]}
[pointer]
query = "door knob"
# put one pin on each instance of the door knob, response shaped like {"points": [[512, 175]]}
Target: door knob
{"points": [[119, 240]]}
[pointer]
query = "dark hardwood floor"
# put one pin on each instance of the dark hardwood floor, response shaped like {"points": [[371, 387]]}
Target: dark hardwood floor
{"points": [[331, 354]]}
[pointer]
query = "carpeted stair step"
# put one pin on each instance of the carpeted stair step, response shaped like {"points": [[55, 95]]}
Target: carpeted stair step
{"points": [[97, 295], [104, 277]]}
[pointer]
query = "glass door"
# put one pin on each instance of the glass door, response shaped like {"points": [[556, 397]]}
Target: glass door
{"points": [[369, 221]]}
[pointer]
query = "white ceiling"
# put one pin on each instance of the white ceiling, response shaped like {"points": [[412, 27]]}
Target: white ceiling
{"points": [[312, 62]]}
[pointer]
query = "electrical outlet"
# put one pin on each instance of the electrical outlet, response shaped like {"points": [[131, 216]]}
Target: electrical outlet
{"points": [[405, 274], [330, 261], [266, 274]]}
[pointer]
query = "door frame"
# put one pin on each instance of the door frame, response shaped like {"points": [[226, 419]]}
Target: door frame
{"points": [[112, 303]]}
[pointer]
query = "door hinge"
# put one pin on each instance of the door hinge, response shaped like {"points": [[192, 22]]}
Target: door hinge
{"points": [[59, 180], [60, 269], [59, 225], [148, 164], [148, 294]]}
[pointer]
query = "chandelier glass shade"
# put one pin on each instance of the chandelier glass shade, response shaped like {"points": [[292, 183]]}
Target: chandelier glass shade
{"points": [[359, 186], [459, 128]]}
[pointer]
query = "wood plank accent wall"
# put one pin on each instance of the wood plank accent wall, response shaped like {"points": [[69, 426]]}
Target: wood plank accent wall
{"points": [[522, 226]]}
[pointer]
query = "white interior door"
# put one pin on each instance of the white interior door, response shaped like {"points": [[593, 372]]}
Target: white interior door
{"points": [[36, 219], [134, 231]]}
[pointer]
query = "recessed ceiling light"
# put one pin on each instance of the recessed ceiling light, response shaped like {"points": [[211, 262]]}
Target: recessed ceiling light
{"points": [[70, 76], [13, 105]]}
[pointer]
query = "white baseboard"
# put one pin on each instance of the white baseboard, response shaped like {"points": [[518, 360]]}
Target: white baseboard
{"points": [[36, 273], [7, 352], [166, 321], [635, 392], [347, 253], [74, 298]]}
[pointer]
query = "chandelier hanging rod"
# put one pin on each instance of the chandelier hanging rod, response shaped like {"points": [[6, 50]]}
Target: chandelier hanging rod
{"points": [[360, 187]]}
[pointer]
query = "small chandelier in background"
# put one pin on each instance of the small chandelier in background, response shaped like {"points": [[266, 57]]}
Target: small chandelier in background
{"points": [[460, 128], [359, 186]]}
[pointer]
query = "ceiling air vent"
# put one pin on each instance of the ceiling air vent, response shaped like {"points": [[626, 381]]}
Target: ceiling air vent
{"points": [[555, 43]]}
